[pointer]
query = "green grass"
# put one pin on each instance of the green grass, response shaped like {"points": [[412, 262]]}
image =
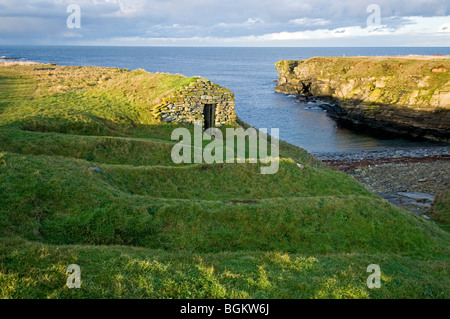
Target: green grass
{"points": [[143, 227], [441, 209], [117, 271]]}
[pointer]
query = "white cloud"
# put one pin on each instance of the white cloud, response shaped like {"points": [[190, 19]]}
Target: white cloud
{"points": [[248, 22], [419, 27], [254, 21], [307, 22]]}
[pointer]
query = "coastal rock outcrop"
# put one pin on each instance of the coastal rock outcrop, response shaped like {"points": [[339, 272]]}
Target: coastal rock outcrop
{"points": [[407, 95]]}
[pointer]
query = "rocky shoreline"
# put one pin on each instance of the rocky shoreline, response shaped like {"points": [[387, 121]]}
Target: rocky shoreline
{"points": [[392, 97], [404, 96], [410, 178]]}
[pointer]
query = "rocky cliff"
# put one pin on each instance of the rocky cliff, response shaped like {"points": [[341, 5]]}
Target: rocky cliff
{"points": [[407, 95]]}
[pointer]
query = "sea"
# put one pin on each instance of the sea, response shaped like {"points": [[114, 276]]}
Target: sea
{"points": [[250, 73]]}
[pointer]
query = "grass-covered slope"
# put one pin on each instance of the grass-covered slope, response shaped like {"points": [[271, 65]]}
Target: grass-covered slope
{"points": [[441, 208], [142, 226]]}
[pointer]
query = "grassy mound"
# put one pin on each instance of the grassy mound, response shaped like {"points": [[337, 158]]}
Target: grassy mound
{"points": [[441, 208], [86, 178]]}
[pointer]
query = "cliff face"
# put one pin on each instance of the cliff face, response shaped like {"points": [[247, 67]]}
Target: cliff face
{"points": [[402, 95]]}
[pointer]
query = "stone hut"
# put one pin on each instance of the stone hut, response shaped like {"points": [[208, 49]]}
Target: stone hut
{"points": [[203, 101]]}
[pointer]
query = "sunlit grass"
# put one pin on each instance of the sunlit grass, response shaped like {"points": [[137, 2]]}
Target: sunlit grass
{"points": [[141, 226]]}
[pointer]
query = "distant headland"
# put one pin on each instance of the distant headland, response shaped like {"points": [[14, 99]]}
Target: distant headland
{"points": [[398, 95]]}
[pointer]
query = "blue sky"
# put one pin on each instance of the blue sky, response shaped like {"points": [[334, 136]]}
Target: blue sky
{"points": [[227, 23]]}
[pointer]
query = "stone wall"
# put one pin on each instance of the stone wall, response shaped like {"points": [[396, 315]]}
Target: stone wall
{"points": [[187, 105]]}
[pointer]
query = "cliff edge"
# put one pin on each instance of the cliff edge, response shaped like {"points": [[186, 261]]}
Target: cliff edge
{"points": [[405, 95]]}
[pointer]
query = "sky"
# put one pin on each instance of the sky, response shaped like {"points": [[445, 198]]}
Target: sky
{"points": [[265, 23]]}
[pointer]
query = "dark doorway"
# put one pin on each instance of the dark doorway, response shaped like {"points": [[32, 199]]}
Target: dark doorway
{"points": [[209, 114]]}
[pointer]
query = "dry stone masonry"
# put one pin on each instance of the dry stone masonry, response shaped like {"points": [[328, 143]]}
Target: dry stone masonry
{"points": [[188, 104]]}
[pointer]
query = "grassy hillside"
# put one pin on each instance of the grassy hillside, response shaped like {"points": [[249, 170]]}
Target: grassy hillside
{"points": [[441, 208], [143, 227]]}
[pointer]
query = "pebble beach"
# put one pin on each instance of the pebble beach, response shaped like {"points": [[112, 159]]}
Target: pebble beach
{"points": [[408, 178]]}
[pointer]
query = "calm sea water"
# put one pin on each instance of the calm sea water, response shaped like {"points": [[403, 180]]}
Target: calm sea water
{"points": [[250, 73]]}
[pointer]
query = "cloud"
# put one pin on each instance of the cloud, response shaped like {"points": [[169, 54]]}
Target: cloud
{"points": [[310, 22], [71, 35], [418, 28], [247, 23], [203, 21], [445, 27]]}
